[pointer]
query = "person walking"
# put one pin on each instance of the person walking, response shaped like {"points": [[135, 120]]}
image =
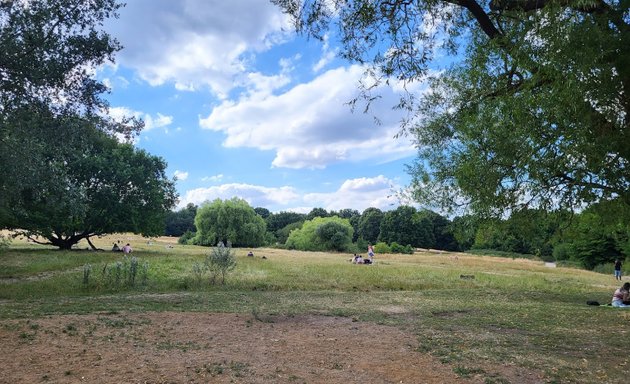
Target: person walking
{"points": [[617, 269]]}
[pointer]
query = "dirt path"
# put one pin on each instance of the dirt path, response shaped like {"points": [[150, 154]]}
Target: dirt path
{"points": [[170, 347]]}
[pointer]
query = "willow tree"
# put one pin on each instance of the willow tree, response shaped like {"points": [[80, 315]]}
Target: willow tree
{"points": [[533, 110]]}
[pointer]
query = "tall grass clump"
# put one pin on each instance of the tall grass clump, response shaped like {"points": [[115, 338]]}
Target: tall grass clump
{"points": [[125, 273], [87, 269], [5, 241]]}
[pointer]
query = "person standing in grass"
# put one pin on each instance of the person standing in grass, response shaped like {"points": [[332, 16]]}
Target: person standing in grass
{"points": [[621, 297], [617, 269]]}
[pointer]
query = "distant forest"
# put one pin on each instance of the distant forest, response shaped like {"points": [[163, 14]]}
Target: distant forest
{"points": [[591, 239]]}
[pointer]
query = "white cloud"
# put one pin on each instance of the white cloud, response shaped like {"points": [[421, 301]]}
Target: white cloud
{"points": [[310, 125], [196, 43], [359, 194], [256, 196], [328, 55], [116, 82], [214, 179], [150, 122], [156, 122], [181, 175]]}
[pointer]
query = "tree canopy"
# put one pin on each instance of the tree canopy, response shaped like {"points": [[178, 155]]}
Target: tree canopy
{"points": [[108, 187], [535, 113], [322, 234], [182, 221], [231, 221], [63, 176]]}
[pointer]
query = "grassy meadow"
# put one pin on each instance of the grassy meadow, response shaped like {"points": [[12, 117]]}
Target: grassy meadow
{"points": [[506, 311]]}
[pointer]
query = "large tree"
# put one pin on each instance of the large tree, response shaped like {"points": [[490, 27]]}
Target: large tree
{"points": [[370, 224], [49, 51], [231, 221], [536, 111], [107, 187], [405, 226]]}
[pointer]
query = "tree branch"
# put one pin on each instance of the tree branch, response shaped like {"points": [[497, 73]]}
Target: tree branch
{"points": [[532, 5], [487, 26]]}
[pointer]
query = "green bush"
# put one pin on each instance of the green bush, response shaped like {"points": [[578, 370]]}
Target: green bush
{"points": [[382, 247], [186, 238], [220, 262], [606, 269], [397, 248], [322, 234]]}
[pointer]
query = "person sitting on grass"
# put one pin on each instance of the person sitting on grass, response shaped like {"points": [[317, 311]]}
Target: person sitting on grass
{"points": [[621, 297], [115, 248]]}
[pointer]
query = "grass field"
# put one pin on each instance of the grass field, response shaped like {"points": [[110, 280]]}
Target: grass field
{"points": [[507, 312]]}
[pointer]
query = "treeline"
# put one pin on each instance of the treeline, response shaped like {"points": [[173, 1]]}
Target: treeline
{"points": [[593, 238]]}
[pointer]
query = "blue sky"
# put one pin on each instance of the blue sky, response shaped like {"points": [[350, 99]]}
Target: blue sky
{"points": [[239, 105]]}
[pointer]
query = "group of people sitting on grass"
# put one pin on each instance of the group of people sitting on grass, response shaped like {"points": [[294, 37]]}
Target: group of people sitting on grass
{"points": [[358, 259], [125, 249]]}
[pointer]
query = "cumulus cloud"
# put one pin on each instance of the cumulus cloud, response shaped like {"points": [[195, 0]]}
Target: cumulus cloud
{"points": [[256, 196], [195, 43], [359, 194], [181, 175], [310, 125]]}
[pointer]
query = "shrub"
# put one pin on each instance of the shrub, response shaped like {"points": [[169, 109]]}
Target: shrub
{"points": [[382, 247], [606, 268], [396, 248], [220, 262], [186, 237], [322, 234]]}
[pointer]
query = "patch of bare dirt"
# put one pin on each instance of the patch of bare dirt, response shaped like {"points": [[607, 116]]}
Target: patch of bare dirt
{"points": [[170, 347]]}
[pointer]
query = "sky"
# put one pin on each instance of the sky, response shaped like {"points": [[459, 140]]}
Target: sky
{"points": [[239, 105]]}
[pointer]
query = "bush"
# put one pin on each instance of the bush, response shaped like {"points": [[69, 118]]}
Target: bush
{"points": [[322, 234], [382, 247], [186, 238], [220, 262], [397, 248], [606, 269]]}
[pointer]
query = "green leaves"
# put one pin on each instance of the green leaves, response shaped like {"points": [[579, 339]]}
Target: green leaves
{"points": [[536, 113], [233, 221], [322, 234]]}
